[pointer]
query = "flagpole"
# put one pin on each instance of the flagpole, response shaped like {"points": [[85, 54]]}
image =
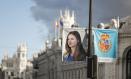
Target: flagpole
{"points": [[118, 22], [55, 31]]}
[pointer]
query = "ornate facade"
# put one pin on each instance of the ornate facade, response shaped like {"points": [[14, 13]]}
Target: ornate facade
{"points": [[16, 67], [50, 66]]}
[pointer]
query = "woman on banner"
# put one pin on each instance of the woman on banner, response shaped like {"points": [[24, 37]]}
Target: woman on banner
{"points": [[74, 48]]}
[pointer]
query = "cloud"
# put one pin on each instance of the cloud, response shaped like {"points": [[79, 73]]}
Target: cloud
{"points": [[48, 10], [103, 10]]}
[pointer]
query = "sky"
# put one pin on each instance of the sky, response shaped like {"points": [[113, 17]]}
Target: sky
{"points": [[17, 25], [33, 20]]}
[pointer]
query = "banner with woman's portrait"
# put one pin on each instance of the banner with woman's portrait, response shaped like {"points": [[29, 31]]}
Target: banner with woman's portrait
{"points": [[72, 44]]}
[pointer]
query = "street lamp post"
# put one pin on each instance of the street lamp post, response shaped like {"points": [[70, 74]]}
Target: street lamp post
{"points": [[90, 28], [91, 59]]}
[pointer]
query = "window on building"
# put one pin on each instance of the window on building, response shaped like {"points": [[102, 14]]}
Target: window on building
{"points": [[18, 55], [128, 65], [12, 74]]}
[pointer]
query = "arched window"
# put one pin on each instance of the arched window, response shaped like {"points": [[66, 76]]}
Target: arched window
{"points": [[128, 64]]}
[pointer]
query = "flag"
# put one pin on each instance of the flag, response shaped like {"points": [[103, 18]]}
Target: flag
{"points": [[105, 44], [61, 22]]}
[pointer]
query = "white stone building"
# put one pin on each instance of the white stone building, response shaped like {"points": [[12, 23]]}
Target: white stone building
{"points": [[49, 65], [15, 67], [67, 19]]}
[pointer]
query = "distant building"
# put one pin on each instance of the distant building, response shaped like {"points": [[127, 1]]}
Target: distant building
{"points": [[16, 67], [29, 70]]}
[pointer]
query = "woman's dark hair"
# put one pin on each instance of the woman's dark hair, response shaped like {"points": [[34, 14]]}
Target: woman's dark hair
{"points": [[81, 52]]}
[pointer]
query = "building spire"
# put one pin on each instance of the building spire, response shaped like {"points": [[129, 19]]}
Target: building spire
{"points": [[67, 19], [61, 13], [6, 54]]}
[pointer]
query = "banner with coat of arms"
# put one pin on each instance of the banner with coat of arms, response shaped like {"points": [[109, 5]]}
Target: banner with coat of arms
{"points": [[105, 44]]}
